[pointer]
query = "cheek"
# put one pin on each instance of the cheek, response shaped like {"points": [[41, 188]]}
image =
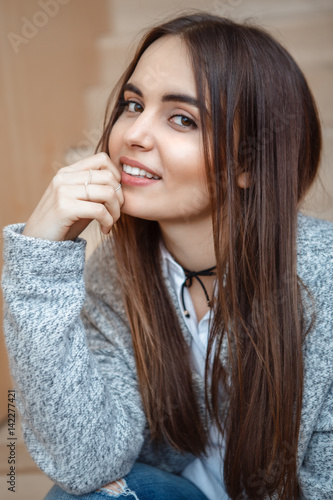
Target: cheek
{"points": [[186, 161]]}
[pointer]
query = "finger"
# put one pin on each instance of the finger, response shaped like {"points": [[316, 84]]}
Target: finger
{"points": [[101, 177], [93, 211], [102, 194], [99, 161], [92, 193]]}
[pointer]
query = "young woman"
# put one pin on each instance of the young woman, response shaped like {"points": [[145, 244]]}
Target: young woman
{"points": [[195, 361]]}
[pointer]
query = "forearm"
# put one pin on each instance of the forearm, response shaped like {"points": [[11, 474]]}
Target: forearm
{"points": [[74, 420]]}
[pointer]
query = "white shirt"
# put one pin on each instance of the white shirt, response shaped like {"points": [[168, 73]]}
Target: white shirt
{"points": [[206, 473]]}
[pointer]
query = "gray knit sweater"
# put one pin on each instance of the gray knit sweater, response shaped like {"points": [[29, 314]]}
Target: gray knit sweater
{"points": [[72, 361]]}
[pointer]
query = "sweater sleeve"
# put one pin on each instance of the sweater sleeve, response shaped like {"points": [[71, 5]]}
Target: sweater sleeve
{"points": [[72, 363]]}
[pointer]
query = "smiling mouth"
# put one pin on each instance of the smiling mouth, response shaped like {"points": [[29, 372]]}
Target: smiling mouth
{"points": [[138, 172]]}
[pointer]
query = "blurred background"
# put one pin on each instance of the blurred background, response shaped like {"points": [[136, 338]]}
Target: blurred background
{"points": [[59, 62]]}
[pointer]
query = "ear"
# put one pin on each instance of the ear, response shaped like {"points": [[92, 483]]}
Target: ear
{"points": [[243, 180]]}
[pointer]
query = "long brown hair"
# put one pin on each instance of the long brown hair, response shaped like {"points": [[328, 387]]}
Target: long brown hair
{"points": [[262, 120]]}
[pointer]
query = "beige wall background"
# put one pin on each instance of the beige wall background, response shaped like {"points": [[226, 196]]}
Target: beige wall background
{"points": [[48, 60], [60, 58]]}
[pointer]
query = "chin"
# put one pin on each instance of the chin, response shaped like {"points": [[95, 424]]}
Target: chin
{"points": [[137, 213]]}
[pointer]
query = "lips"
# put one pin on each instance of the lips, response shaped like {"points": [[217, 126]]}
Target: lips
{"points": [[133, 163]]}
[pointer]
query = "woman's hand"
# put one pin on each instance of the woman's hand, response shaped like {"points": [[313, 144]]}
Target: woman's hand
{"points": [[71, 202]]}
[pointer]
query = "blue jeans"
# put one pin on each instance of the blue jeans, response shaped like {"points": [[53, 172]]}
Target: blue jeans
{"points": [[142, 483]]}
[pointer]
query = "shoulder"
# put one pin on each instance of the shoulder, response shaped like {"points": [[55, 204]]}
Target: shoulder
{"points": [[315, 268], [314, 235], [315, 251]]}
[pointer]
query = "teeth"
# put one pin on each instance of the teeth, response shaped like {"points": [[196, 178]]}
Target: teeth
{"points": [[147, 174], [138, 172]]}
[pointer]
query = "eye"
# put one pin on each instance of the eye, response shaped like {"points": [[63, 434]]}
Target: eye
{"points": [[134, 107], [131, 106], [183, 121]]}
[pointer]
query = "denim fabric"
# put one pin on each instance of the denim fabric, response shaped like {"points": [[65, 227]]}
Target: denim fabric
{"points": [[142, 483]]}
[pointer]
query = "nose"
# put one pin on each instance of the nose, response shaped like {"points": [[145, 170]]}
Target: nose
{"points": [[140, 133]]}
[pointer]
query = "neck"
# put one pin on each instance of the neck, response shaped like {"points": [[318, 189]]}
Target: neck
{"points": [[190, 243]]}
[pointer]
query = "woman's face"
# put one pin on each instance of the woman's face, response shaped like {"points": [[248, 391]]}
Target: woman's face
{"points": [[159, 131]]}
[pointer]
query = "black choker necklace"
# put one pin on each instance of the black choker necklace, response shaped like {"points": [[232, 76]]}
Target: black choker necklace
{"points": [[189, 277]]}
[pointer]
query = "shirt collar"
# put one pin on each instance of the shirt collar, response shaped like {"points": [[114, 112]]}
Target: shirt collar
{"points": [[170, 267]]}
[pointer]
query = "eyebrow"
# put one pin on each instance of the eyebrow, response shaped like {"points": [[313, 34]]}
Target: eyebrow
{"points": [[187, 99]]}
